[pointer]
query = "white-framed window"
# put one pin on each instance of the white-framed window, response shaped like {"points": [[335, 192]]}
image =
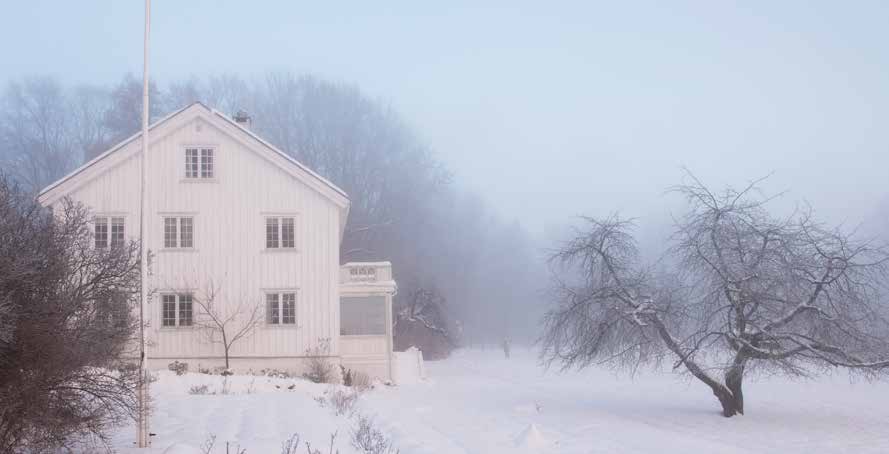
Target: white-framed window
{"points": [[109, 231], [280, 308], [191, 163], [117, 233], [199, 162], [206, 163], [362, 315], [280, 232], [177, 309], [178, 232], [113, 309]]}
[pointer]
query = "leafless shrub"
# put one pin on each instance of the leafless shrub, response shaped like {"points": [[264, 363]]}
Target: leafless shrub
{"points": [[368, 439], [346, 374], [237, 449], [209, 443], [341, 401], [178, 368], [62, 376], [199, 390], [275, 373], [752, 290], [320, 368], [291, 445]]}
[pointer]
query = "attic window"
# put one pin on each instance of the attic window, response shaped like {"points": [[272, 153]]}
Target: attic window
{"points": [[280, 233], [199, 162]]}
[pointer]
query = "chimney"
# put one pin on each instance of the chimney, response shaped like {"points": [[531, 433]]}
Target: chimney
{"points": [[243, 119]]}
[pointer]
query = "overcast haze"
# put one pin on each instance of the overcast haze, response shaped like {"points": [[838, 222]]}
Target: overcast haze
{"points": [[548, 112]]}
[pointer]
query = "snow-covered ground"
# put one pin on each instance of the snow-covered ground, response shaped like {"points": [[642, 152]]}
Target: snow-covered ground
{"points": [[479, 402]]}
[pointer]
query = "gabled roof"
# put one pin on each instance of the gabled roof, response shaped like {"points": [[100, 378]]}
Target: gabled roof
{"points": [[212, 115]]}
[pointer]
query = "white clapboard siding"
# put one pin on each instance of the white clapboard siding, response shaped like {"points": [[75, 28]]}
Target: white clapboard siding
{"points": [[251, 181]]}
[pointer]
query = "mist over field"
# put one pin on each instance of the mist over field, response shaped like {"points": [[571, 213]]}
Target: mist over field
{"points": [[594, 185]]}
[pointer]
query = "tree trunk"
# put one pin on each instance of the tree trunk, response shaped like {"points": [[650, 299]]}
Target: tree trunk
{"points": [[730, 404], [734, 378], [225, 345], [733, 401]]}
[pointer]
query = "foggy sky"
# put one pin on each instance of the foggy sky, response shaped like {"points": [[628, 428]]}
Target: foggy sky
{"points": [[547, 111]]}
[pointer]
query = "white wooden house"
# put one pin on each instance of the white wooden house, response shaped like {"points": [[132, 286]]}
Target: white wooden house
{"points": [[228, 211]]}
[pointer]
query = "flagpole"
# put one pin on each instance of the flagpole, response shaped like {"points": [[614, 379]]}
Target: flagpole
{"points": [[143, 436]]}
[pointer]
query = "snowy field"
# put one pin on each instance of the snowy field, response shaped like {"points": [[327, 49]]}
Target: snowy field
{"points": [[479, 402]]}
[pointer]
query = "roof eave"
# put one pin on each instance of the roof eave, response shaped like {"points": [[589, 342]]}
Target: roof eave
{"points": [[44, 193]]}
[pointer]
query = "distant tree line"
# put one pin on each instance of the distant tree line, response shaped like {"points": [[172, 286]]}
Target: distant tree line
{"points": [[477, 273]]}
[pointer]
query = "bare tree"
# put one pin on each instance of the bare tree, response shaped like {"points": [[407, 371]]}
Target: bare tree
{"points": [[421, 322], [124, 114], [751, 290], [64, 340], [35, 132], [90, 131], [223, 323]]}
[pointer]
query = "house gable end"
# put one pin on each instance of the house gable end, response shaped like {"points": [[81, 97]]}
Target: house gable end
{"points": [[130, 148]]}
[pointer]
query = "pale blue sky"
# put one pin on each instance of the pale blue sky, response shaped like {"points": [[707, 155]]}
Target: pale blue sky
{"points": [[548, 110]]}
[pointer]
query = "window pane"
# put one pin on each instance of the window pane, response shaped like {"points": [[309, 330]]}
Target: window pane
{"points": [[287, 233], [185, 309], [117, 235], [101, 232], [288, 308], [271, 233], [168, 316], [271, 308], [191, 163], [169, 232], [186, 232], [363, 315], [113, 309], [206, 163]]}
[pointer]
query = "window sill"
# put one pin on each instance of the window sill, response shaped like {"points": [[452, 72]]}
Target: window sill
{"points": [[281, 250], [110, 248], [199, 180], [177, 328], [189, 250], [280, 325]]}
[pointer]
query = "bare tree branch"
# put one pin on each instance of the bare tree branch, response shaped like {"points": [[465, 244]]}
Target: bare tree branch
{"points": [[751, 289]]}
